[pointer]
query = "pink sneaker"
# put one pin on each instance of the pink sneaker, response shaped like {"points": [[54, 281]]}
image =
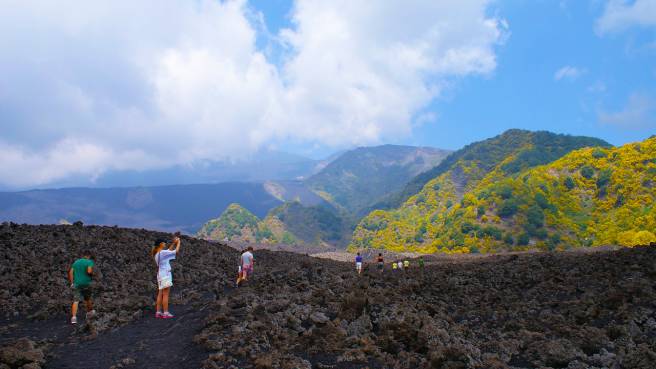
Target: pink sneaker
{"points": [[167, 315], [158, 315]]}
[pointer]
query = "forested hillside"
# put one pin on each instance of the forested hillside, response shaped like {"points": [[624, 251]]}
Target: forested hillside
{"points": [[290, 223], [590, 197], [518, 149]]}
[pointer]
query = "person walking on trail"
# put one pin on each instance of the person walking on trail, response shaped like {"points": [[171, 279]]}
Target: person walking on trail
{"points": [[358, 263], [421, 263], [406, 264], [247, 262], [163, 259], [381, 262], [80, 275], [394, 265], [400, 265], [239, 267]]}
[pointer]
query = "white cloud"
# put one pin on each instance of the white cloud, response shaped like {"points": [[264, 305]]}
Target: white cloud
{"points": [[639, 112], [621, 14], [146, 84], [568, 72]]}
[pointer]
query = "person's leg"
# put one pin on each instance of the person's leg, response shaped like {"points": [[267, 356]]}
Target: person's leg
{"points": [[165, 299], [89, 304], [240, 275], [74, 309], [158, 304]]}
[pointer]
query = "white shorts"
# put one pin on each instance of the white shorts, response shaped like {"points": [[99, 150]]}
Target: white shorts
{"points": [[164, 281], [358, 266]]}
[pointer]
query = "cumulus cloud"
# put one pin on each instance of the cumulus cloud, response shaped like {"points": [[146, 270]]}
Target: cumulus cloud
{"points": [[568, 72], [639, 112], [619, 15], [146, 84]]}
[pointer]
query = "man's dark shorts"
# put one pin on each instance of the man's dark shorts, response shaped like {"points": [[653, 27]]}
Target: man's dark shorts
{"points": [[82, 293]]}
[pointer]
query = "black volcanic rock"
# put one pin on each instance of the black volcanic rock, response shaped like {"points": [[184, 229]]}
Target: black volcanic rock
{"points": [[569, 310]]}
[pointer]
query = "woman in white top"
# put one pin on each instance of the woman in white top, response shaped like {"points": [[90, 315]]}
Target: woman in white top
{"points": [[164, 277]]}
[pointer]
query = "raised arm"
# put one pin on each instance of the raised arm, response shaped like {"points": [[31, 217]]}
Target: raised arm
{"points": [[177, 244]]}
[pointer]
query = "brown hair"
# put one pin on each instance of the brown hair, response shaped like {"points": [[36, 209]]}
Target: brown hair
{"points": [[159, 245]]}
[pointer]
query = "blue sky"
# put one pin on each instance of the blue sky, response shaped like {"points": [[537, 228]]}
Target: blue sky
{"points": [[523, 92], [183, 82]]}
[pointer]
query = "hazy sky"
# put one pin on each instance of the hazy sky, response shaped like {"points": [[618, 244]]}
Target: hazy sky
{"points": [[91, 86]]}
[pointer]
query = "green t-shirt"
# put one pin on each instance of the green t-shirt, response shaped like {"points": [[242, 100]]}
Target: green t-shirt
{"points": [[80, 276]]}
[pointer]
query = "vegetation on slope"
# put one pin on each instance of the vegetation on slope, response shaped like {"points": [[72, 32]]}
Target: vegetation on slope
{"points": [[235, 223], [590, 197], [524, 148], [290, 223]]}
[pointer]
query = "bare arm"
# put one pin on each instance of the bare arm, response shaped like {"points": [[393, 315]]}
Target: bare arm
{"points": [[177, 245], [70, 275], [90, 270]]}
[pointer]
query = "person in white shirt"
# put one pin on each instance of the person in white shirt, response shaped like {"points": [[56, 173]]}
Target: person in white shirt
{"points": [[163, 258], [247, 262]]}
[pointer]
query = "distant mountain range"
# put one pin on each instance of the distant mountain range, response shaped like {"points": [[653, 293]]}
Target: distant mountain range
{"points": [[351, 182], [265, 165], [359, 177], [169, 208], [387, 167]]}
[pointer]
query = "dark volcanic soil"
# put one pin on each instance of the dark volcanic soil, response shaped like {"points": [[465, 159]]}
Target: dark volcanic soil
{"points": [[570, 310]]}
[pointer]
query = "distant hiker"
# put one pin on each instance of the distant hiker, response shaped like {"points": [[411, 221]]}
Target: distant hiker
{"points": [[400, 265], [381, 262], [421, 263], [163, 258], [247, 262], [406, 264], [239, 267], [358, 263], [80, 275], [394, 266]]}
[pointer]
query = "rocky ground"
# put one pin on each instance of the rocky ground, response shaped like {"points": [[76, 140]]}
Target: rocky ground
{"points": [[569, 310]]}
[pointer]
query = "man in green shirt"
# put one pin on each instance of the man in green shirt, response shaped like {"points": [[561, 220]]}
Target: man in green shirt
{"points": [[80, 277]]}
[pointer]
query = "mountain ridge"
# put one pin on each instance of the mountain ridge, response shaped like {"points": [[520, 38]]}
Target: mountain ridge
{"points": [[538, 207], [518, 137]]}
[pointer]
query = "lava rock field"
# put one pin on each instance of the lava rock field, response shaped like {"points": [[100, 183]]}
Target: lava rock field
{"points": [[541, 310]]}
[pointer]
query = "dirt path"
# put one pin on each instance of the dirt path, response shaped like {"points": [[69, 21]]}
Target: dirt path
{"points": [[145, 343]]}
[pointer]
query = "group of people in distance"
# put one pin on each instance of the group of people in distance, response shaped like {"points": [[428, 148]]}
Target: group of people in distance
{"points": [[380, 263], [81, 274]]}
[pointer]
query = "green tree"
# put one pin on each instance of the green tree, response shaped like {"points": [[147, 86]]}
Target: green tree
{"points": [[523, 239], [569, 183], [598, 153], [507, 209], [508, 239], [604, 178], [535, 216], [587, 171]]}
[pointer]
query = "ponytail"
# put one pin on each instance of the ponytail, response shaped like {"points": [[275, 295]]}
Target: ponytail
{"points": [[159, 245]]}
